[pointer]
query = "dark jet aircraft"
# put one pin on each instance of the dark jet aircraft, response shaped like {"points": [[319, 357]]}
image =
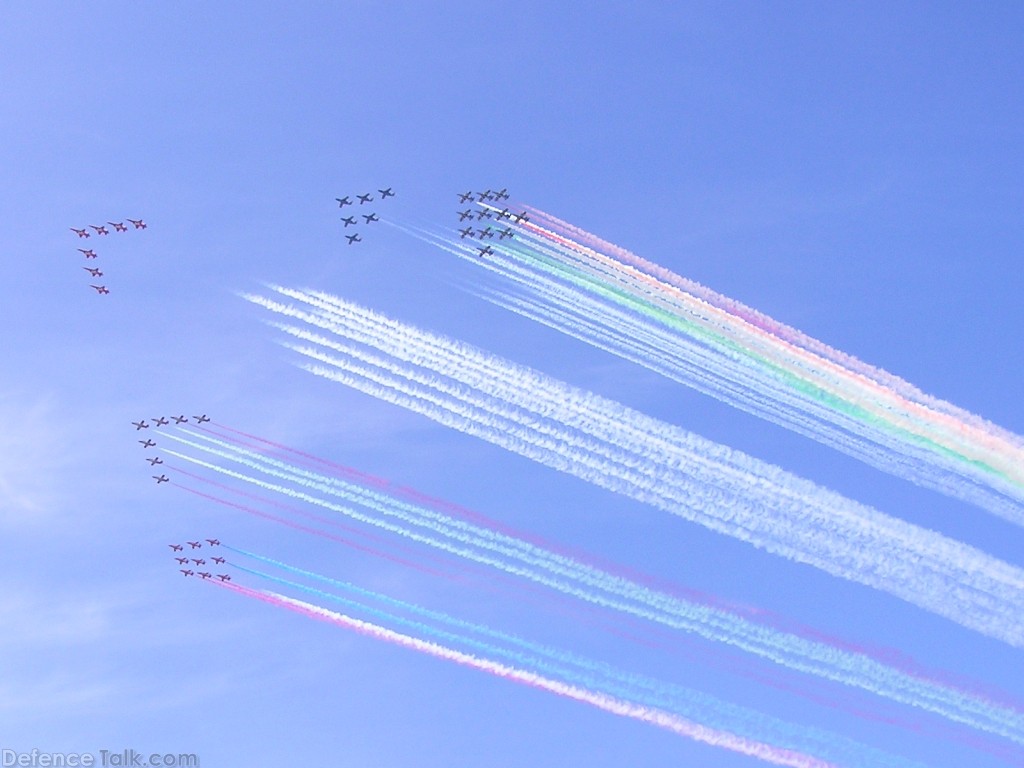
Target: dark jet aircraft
{"points": [[160, 479], [464, 197], [354, 238], [484, 196], [194, 544], [217, 560], [485, 251], [365, 198], [464, 233], [100, 288], [504, 214], [154, 461], [205, 575], [180, 419], [483, 214], [213, 542], [501, 194], [350, 221], [80, 232], [140, 425], [386, 193], [140, 224], [486, 233], [466, 214], [521, 217], [223, 577], [89, 254], [186, 572], [343, 201], [160, 421], [371, 218], [198, 561], [176, 547], [201, 419], [94, 271], [118, 226], [100, 230], [506, 232], [181, 560], [147, 443]]}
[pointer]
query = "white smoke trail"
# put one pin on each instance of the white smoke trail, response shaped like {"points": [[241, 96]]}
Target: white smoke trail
{"points": [[677, 471]]}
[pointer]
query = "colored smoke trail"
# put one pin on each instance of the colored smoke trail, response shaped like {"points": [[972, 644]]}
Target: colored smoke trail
{"points": [[622, 450], [615, 704], [588, 583], [614, 300]]}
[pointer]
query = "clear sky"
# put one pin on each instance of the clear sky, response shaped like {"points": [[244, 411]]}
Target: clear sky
{"points": [[852, 171]]}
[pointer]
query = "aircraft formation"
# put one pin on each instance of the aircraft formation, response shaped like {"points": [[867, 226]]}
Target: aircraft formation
{"points": [[199, 561], [488, 202], [353, 219], [89, 253], [162, 421]]}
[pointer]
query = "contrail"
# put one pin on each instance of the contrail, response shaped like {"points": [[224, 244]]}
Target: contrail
{"points": [[575, 578], [614, 300], [605, 688], [623, 450]]}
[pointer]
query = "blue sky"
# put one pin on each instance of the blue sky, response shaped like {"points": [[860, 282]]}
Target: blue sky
{"points": [[853, 172]]}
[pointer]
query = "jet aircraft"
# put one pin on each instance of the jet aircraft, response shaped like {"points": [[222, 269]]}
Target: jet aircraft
{"points": [[100, 230], [213, 542], [194, 544], [147, 443], [506, 232], [343, 201], [198, 561], [94, 271], [521, 217], [181, 560], [465, 197], [118, 226], [153, 461], [175, 547], [186, 572], [140, 224], [217, 560], [223, 577], [206, 575], [201, 419], [466, 214], [485, 251], [501, 194], [354, 238], [484, 196], [160, 421], [350, 221], [464, 233], [371, 218], [180, 419], [365, 198], [160, 479], [100, 288], [140, 425], [80, 232], [504, 214], [386, 193], [483, 214], [89, 254], [486, 233]]}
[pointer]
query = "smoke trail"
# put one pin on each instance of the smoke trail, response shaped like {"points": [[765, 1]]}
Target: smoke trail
{"points": [[616, 704], [622, 450], [585, 582], [584, 287]]}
